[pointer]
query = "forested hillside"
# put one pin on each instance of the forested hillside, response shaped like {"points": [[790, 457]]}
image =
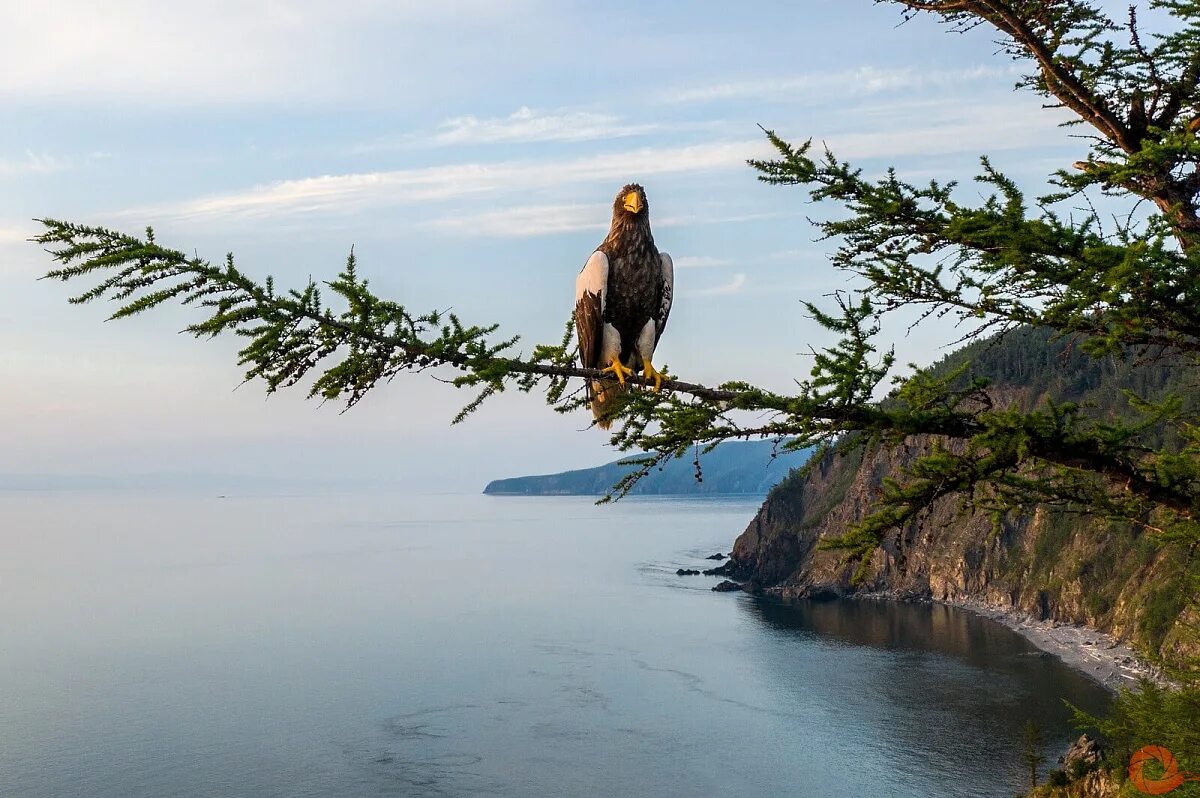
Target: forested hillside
{"points": [[1051, 562]]}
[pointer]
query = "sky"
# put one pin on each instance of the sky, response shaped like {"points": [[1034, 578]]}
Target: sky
{"points": [[469, 151]]}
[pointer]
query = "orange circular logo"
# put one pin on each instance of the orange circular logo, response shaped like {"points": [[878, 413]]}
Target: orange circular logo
{"points": [[1172, 777]]}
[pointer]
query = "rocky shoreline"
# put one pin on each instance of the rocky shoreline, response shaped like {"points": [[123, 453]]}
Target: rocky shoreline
{"points": [[1098, 655]]}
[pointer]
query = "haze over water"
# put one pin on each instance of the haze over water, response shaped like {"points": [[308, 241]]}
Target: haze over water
{"points": [[365, 644]]}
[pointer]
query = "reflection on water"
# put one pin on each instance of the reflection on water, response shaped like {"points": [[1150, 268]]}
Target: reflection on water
{"points": [[372, 644], [954, 689], [905, 627]]}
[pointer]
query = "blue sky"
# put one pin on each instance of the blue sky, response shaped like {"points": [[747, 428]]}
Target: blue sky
{"points": [[469, 151]]}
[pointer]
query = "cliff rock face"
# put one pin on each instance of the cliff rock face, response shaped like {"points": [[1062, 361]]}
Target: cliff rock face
{"points": [[1049, 564]]}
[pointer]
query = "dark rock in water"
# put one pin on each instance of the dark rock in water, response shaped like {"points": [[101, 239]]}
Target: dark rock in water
{"points": [[717, 556], [687, 572], [727, 587], [732, 568]]}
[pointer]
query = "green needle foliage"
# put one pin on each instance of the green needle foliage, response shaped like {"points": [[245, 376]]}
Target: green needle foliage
{"points": [[1128, 288], [1033, 747], [1150, 715]]}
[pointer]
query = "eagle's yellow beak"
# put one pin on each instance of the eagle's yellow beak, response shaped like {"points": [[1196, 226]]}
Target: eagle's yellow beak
{"points": [[633, 202]]}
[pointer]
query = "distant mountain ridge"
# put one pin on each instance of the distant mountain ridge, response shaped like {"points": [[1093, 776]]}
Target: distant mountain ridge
{"points": [[736, 467]]}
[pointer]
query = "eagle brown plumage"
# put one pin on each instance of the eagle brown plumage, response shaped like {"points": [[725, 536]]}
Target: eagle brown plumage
{"points": [[622, 300]]}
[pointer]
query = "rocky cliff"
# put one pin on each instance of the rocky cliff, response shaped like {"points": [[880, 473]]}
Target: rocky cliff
{"points": [[1049, 564]]}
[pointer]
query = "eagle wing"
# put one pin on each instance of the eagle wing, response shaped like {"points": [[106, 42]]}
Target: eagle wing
{"points": [[665, 296], [591, 289]]}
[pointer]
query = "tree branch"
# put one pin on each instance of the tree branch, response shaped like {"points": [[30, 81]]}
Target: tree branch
{"points": [[292, 332]]}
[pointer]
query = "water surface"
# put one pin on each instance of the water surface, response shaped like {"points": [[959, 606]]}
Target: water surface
{"points": [[376, 644]]}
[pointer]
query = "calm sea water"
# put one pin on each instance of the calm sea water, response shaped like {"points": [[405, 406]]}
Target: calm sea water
{"points": [[371, 644]]}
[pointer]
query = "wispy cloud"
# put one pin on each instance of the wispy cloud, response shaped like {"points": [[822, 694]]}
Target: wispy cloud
{"points": [[298, 50], [949, 128], [34, 163], [344, 194], [860, 81], [14, 235], [787, 254], [19, 258], [698, 262], [952, 127], [525, 221], [527, 125], [735, 286], [539, 220]]}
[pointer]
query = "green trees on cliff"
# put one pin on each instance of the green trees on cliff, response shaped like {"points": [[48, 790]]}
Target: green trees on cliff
{"points": [[1152, 716]]}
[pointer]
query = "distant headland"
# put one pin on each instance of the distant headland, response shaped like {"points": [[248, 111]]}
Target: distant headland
{"points": [[749, 468]]}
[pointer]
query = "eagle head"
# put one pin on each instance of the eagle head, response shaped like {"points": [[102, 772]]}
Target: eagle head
{"points": [[630, 202]]}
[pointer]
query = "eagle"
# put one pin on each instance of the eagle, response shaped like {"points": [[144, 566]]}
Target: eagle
{"points": [[622, 300]]}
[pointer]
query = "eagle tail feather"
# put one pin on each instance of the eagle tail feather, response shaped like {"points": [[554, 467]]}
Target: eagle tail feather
{"points": [[603, 394]]}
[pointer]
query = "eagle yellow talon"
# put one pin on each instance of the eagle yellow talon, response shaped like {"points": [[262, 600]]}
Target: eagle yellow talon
{"points": [[651, 373], [618, 368]]}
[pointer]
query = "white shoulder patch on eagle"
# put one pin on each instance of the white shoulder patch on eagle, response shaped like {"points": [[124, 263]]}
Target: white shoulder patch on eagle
{"points": [[668, 294], [593, 277], [591, 289]]}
